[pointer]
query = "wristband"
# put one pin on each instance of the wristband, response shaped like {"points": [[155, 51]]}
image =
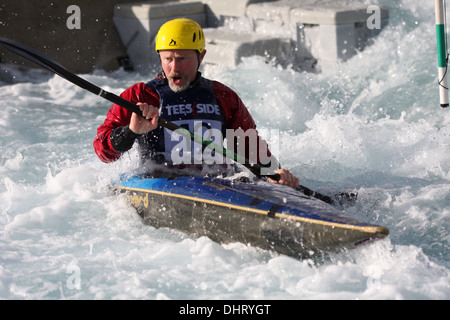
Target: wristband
{"points": [[122, 138]]}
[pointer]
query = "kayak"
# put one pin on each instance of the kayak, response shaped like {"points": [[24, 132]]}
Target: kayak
{"points": [[264, 215]]}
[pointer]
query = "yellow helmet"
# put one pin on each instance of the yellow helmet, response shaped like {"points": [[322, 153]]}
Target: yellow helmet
{"points": [[180, 34]]}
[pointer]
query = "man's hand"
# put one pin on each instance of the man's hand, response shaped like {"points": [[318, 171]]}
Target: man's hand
{"points": [[147, 123], [286, 178]]}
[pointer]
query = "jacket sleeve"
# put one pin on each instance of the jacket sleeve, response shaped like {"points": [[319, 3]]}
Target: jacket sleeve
{"points": [[237, 117], [118, 117]]}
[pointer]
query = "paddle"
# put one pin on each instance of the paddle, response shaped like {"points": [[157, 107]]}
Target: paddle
{"points": [[51, 65]]}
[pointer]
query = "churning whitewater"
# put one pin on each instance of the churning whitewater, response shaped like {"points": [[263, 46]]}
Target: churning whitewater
{"points": [[373, 125]]}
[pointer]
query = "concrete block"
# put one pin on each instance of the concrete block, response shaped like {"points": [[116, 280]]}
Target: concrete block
{"points": [[336, 42], [230, 8], [335, 33], [226, 47], [278, 10], [272, 18], [326, 31], [333, 13]]}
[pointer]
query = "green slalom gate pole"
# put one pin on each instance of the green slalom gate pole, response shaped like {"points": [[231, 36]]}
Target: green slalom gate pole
{"points": [[442, 53]]}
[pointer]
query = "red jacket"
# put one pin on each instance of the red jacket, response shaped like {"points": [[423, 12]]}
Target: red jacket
{"points": [[235, 113]]}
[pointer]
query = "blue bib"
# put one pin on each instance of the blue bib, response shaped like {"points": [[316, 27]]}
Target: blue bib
{"points": [[195, 109]]}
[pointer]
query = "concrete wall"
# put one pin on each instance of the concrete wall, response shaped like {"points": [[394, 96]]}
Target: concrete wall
{"points": [[311, 32], [43, 26]]}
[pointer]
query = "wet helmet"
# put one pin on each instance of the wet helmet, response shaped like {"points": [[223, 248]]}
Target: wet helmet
{"points": [[180, 34]]}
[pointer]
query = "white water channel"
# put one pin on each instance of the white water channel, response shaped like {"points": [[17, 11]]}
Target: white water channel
{"points": [[372, 124]]}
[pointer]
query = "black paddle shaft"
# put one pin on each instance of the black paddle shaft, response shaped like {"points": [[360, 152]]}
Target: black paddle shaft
{"points": [[53, 66]]}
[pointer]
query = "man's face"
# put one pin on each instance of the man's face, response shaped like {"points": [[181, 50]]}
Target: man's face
{"points": [[180, 67]]}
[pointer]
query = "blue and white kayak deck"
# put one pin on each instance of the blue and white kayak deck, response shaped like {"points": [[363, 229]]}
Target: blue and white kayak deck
{"points": [[264, 215]]}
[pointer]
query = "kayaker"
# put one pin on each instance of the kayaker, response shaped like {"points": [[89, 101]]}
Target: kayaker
{"points": [[181, 95]]}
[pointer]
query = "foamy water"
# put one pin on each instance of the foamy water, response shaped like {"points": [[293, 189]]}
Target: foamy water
{"points": [[373, 124]]}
